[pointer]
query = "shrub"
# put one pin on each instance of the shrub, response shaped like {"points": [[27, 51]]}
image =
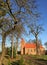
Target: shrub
{"points": [[9, 63], [9, 52]]}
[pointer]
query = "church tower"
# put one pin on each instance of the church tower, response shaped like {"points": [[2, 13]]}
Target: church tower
{"points": [[22, 45]]}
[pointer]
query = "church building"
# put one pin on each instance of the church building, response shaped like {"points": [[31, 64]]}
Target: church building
{"points": [[30, 48]]}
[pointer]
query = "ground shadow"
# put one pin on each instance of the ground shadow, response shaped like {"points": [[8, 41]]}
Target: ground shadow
{"points": [[15, 63], [42, 61]]}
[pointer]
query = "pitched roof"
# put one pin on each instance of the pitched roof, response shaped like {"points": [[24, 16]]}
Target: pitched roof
{"points": [[30, 45]]}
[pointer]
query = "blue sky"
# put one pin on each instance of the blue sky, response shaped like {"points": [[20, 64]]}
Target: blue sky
{"points": [[42, 7], [42, 4]]}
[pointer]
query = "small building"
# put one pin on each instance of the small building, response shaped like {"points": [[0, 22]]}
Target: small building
{"points": [[30, 48]]}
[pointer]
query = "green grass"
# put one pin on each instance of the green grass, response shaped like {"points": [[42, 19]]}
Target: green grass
{"points": [[39, 57], [44, 57]]}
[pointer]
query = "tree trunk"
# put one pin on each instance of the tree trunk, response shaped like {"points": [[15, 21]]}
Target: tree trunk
{"points": [[16, 45], [12, 44], [36, 45], [3, 49]]}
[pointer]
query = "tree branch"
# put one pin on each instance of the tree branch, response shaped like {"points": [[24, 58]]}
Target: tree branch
{"points": [[14, 18]]}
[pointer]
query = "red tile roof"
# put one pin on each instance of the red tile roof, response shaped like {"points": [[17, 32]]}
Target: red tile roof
{"points": [[29, 45]]}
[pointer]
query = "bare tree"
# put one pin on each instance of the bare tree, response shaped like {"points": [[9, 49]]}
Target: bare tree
{"points": [[36, 29], [12, 43], [3, 47], [18, 31]]}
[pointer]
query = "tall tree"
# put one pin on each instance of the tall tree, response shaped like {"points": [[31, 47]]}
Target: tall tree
{"points": [[12, 43], [36, 29], [19, 30], [3, 47]]}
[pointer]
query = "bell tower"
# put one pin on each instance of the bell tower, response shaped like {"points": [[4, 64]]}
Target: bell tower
{"points": [[22, 45]]}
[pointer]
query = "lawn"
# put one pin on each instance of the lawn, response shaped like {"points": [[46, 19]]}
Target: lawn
{"points": [[41, 57], [44, 57]]}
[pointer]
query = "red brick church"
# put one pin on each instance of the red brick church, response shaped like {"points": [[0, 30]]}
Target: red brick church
{"points": [[30, 48]]}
